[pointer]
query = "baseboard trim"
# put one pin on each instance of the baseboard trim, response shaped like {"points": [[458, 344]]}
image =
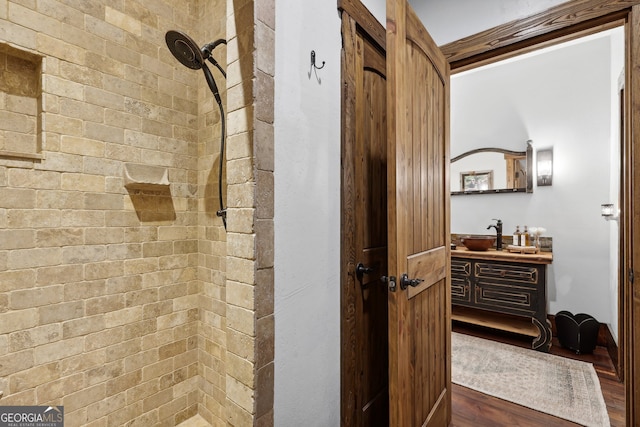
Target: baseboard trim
{"points": [[613, 350]]}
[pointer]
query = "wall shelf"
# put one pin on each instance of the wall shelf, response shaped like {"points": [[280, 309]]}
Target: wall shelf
{"points": [[145, 177]]}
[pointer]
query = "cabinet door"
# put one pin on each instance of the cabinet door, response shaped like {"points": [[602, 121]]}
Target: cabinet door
{"points": [[460, 280]]}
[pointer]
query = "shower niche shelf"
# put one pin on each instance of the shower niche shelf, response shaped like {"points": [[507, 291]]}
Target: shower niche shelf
{"points": [[145, 177], [21, 128]]}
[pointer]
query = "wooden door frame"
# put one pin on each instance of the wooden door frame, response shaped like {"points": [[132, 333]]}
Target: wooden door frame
{"points": [[355, 17], [567, 21]]}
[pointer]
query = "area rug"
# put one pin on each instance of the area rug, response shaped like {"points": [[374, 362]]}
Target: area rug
{"points": [[562, 387]]}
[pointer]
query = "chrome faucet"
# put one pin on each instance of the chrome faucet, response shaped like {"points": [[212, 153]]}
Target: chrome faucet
{"points": [[498, 227]]}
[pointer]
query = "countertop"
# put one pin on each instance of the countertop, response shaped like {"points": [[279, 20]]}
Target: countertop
{"points": [[504, 255]]}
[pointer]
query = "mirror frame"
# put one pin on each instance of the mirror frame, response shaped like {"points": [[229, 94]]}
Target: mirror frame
{"points": [[529, 156]]}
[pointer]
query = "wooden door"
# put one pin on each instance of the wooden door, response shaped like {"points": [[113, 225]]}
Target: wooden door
{"points": [[364, 378], [419, 239], [630, 209], [371, 236]]}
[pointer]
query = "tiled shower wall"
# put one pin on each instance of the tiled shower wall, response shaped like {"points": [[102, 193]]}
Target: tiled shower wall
{"points": [[250, 237], [212, 248], [112, 300]]}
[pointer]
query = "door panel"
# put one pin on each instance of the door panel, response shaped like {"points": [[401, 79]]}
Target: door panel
{"points": [[364, 382], [418, 206], [430, 266], [371, 234]]}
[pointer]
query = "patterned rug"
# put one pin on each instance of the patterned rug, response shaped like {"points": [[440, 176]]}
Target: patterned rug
{"points": [[562, 387]]}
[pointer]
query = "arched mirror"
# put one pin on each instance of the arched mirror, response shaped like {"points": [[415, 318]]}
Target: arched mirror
{"points": [[492, 170]]}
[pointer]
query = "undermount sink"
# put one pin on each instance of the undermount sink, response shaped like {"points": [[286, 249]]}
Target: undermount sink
{"points": [[478, 243]]}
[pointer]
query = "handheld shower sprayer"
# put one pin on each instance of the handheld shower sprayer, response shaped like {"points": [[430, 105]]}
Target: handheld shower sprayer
{"points": [[209, 47], [185, 50], [206, 54]]}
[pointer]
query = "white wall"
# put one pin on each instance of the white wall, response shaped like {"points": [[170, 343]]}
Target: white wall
{"points": [[448, 21], [561, 99], [378, 8], [617, 66], [307, 215]]}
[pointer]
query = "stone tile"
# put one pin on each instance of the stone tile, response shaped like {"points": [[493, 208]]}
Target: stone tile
{"points": [[35, 297], [264, 389], [240, 394], [33, 377], [195, 421]]}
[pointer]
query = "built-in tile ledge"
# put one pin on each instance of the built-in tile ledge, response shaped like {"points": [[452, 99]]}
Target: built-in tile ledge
{"points": [[34, 156], [145, 177]]}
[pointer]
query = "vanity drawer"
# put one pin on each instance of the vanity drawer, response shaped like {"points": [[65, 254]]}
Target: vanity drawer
{"points": [[460, 289], [521, 274], [506, 297], [460, 267]]}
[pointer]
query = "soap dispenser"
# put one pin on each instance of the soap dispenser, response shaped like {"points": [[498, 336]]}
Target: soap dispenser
{"points": [[525, 240]]}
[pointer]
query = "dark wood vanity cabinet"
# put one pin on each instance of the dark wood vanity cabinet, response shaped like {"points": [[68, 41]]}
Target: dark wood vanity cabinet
{"points": [[484, 289]]}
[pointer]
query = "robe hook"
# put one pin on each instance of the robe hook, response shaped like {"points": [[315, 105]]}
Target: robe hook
{"points": [[313, 61]]}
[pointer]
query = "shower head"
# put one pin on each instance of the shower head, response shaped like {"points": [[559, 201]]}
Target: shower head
{"points": [[190, 55], [184, 49]]}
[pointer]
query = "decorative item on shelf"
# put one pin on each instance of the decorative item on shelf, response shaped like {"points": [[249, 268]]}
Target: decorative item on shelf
{"points": [[609, 212], [544, 166], [536, 232], [527, 242], [525, 238], [522, 249], [476, 180]]}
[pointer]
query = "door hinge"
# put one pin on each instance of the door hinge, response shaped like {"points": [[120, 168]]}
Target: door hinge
{"points": [[391, 281], [631, 275]]}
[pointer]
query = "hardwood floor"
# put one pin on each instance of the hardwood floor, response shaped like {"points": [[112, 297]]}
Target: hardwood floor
{"points": [[474, 409]]}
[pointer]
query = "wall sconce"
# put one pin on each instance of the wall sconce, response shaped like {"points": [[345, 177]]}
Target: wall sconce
{"points": [[609, 212], [544, 166]]}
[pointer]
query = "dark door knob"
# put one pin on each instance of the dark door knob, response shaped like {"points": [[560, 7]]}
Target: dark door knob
{"points": [[405, 282], [361, 269]]}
